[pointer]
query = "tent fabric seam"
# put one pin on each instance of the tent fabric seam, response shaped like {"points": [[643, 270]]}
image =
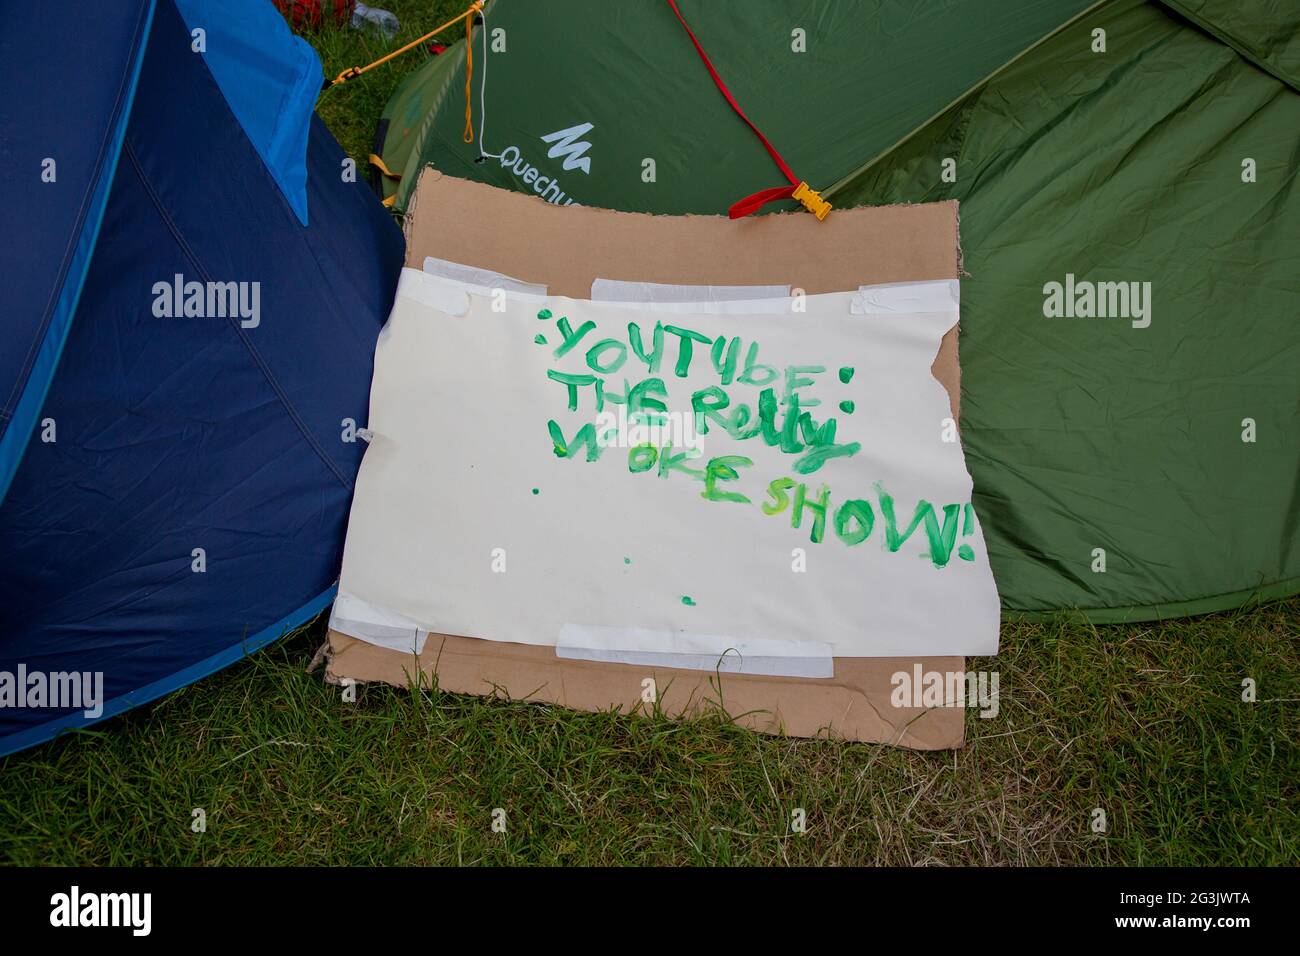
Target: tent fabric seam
{"points": [[304, 85], [114, 133], [15, 435], [233, 322], [974, 88], [1173, 6], [1228, 40]]}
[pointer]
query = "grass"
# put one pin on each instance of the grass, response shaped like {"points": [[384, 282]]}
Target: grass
{"points": [[1145, 722]]}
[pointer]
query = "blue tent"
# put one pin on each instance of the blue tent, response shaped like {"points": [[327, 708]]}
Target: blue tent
{"points": [[193, 286]]}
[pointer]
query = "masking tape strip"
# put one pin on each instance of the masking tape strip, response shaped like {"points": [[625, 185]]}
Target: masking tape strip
{"points": [[700, 652], [483, 280], [619, 290], [376, 625], [935, 295]]}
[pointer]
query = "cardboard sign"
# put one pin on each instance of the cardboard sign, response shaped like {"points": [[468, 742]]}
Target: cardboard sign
{"points": [[459, 220]]}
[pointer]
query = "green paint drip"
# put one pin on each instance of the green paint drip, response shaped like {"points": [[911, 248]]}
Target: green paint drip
{"points": [[847, 407], [846, 374], [544, 314], [627, 560], [537, 491], [688, 600], [539, 339], [966, 553]]}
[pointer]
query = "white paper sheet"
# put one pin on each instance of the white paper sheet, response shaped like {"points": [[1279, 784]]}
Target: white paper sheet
{"points": [[466, 521]]}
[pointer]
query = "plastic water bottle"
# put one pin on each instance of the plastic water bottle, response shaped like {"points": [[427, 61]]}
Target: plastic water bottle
{"points": [[381, 20]]}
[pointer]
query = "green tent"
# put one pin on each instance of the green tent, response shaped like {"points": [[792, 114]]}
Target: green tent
{"points": [[1128, 158]]}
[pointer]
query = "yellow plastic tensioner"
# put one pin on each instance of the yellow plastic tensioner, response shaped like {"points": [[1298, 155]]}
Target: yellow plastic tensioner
{"points": [[378, 163], [811, 200]]}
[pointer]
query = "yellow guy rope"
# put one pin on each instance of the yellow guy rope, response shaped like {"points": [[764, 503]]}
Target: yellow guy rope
{"points": [[469, 72], [468, 17]]}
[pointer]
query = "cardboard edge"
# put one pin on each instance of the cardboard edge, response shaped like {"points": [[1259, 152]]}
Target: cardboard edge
{"points": [[688, 695]]}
